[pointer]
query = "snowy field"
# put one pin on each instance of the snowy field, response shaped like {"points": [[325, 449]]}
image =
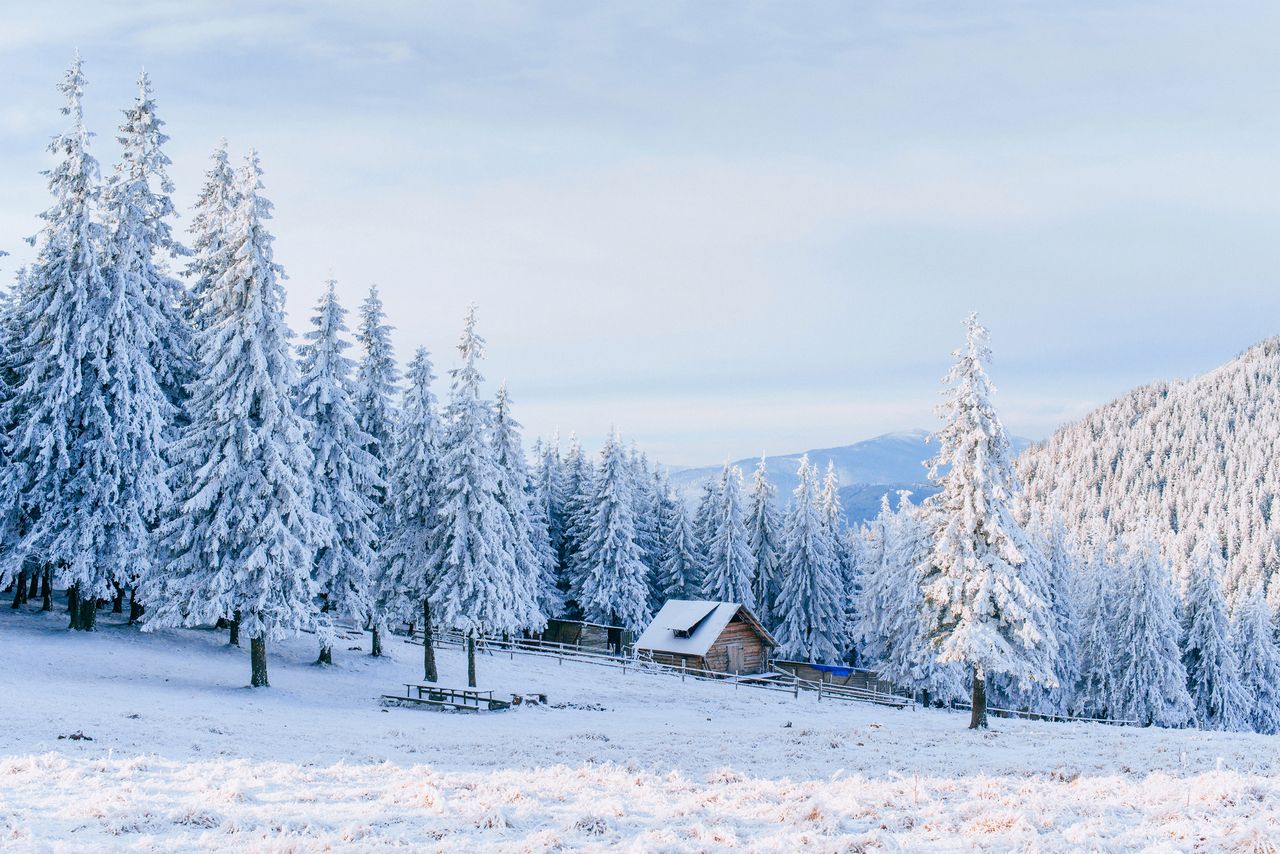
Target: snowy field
{"points": [[183, 757]]}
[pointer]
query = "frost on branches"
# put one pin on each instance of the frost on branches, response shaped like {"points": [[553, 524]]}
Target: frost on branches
{"points": [[982, 605], [85, 417], [478, 586], [730, 564], [345, 472], [242, 535], [810, 612]]}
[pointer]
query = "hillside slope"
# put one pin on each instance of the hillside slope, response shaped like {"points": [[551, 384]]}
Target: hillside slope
{"points": [[180, 756], [1199, 457]]}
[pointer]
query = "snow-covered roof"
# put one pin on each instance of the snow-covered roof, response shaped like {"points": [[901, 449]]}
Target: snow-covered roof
{"points": [[701, 620]]}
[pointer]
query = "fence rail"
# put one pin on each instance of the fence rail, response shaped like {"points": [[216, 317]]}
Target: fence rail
{"points": [[776, 680], [962, 706]]}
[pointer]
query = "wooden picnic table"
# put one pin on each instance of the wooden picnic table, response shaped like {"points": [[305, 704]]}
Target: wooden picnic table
{"points": [[463, 699]]}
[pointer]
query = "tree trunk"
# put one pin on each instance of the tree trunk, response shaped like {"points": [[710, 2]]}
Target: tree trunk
{"points": [[34, 589], [234, 638], [375, 643], [428, 646], [326, 654], [978, 720], [471, 660], [88, 614], [258, 659], [46, 589], [73, 606], [135, 607], [117, 603], [20, 589]]}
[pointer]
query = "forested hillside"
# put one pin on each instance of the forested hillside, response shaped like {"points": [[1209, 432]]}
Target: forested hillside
{"points": [[1192, 457]]}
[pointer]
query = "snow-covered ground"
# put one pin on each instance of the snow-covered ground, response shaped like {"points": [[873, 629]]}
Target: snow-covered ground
{"points": [[184, 757]]}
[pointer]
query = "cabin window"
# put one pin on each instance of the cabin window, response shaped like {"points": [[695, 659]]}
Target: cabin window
{"points": [[680, 633]]}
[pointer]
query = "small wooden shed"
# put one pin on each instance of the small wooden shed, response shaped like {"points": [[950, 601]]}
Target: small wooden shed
{"points": [[724, 637]]}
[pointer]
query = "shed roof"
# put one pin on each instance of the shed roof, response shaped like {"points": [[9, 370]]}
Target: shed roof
{"points": [[702, 620]]}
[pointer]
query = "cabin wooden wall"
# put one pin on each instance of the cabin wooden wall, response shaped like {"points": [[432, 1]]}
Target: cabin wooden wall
{"points": [[755, 655]]}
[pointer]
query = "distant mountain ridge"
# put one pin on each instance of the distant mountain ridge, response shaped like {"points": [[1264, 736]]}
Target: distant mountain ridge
{"points": [[867, 470]]}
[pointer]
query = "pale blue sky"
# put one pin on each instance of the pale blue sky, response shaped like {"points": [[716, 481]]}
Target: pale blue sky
{"points": [[726, 227]]}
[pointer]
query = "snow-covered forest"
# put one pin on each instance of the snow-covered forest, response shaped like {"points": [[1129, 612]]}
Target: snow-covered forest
{"points": [[171, 448]]}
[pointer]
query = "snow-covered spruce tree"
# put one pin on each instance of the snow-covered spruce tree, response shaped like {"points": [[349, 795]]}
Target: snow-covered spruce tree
{"points": [[890, 628], [549, 495], [730, 564], [981, 604], [535, 560], [1061, 594], [609, 566], [1208, 652], [346, 474], [764, 527], [1151, 681], [404, 575], [579, 477], [375, 387], [242, 534], [139, 207], [1095, 694], [704, 515], [1259, 657], [644, 506], [210, 223], [843, 547], [478, 585], [810, 619], [681, 570], [86, 417]]}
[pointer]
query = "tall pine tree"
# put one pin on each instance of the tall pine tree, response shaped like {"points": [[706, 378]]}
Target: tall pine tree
{"points": [[405, 572], [810, 620], [86, 417], [243, 533], [730, 564], [609, 565], [764, 528], [982, 607], [346, 474], [478, 586], [1208, 652]]}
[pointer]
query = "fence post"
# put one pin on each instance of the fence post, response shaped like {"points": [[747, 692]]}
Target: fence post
{"points": [[795, 686]]}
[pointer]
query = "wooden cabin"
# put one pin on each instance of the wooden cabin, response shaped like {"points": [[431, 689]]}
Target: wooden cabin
{"points": [[724, 637], [589, 637]]}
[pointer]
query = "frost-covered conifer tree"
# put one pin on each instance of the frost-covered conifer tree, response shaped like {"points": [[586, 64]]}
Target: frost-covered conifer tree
{"points": [[1208, 652], [534, 557], [612, 576], [1259, 657], [413, 482], [704, 515], [842, 546], [549, 495], [681, 571], [242, 535], [346, 474], [579, 477], [83, 481], [764, 527], [375, 387], [140, 239], [982, 608], [890, 629], [210, 223], [1095, 693], [730, 564], [810, 619], [478, 586], [1151, 681]]}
